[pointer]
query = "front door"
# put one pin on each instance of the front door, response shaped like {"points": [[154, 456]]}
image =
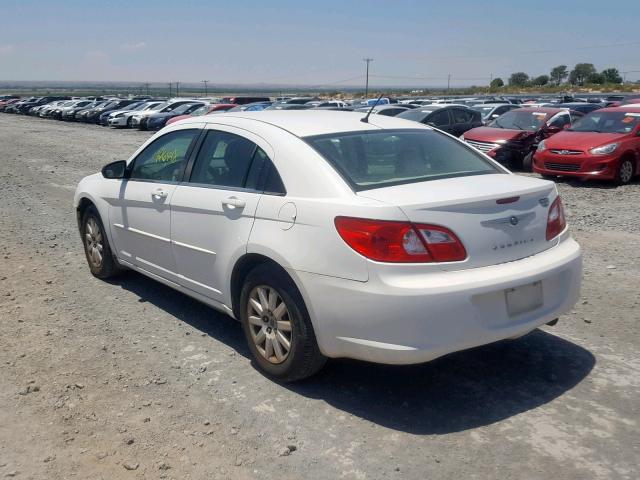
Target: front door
{"points": [[140, 216]]}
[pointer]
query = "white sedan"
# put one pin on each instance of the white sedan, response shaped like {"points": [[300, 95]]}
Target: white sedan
{"points": [[327, 235]]}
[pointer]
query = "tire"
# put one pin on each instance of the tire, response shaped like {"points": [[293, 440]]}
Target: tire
{"points": [[96, 245], [129, 122], [277, 325], [625, 172], [527, 162]]}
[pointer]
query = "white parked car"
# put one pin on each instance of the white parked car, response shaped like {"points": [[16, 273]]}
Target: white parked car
{"points": [[328, 236], [122, 118], [139, 119]]}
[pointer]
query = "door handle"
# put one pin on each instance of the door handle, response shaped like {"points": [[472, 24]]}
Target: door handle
{"points": [[159, 193], [234, 202]]}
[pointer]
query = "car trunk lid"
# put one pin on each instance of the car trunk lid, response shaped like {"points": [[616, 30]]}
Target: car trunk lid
{"points": [[498, 217]]}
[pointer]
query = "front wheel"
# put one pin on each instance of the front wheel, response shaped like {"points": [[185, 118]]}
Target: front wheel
{"points": [[277, 326], [96, 245], [625, 172], [527, 162]]}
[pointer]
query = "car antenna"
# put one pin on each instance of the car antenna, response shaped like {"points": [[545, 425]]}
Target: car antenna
{"points": [[365, 119]]}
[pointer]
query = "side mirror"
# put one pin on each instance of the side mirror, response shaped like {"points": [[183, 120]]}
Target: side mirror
{"points": [[495, 115], [115, 169], [552, 130]]}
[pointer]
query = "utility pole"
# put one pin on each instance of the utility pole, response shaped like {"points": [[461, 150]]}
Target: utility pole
{"points": [[177, 89], [448, 82], [169, 89], [205, 86], [147, 85], [366, 85]]}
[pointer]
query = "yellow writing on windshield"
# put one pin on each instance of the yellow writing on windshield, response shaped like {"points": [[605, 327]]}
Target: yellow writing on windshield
{"points": [[166, 156]]}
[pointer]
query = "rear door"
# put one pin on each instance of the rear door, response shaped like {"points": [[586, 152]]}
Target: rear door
{"points": [[213, 211]]}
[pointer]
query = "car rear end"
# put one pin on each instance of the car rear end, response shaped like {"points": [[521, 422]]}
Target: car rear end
{"points": [[474, 254]]}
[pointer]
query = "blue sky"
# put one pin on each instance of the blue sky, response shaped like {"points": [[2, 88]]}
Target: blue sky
{"points": [[310, 42]]}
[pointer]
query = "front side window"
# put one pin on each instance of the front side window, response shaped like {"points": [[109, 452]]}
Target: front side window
{"points": [[165, 159], [560, 121], [375, 159], [223, 160]]}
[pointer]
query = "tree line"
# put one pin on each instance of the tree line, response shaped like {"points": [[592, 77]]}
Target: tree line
{"points": [[582, 73]]}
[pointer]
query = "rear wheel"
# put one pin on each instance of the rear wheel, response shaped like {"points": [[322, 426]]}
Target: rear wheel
{"points": [[96, 245], [625, 171], [527, 162], [277, 326]]}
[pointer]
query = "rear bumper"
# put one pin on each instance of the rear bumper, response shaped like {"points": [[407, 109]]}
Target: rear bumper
{"points": [[583, 166], [405, 319]]}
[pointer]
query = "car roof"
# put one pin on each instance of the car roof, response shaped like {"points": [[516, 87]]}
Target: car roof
{"points": [[549, 110], [304, 123], [497, 104], [631, 108]]}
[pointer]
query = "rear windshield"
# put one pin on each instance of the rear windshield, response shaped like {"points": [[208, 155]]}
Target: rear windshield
{"points": [[375, 159]]}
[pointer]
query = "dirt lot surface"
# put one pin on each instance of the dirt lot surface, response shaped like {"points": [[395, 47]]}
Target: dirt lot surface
{"points": [[129, 379]]}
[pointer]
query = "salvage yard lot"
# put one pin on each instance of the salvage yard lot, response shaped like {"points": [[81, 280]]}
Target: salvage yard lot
{"points": [[130, 379]]}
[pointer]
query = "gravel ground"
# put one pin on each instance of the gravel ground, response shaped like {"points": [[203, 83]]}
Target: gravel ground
{"points": [[129, 379]]}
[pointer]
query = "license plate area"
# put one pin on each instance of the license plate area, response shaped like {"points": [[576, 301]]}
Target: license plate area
{"points": [[524, 298]]}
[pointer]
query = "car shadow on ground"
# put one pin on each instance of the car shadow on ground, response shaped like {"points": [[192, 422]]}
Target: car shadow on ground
{"points": [[457, 392]]}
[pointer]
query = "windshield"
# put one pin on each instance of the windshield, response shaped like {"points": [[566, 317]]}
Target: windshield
{"points": [[183, 108], [201, 111], [416, 114], [159, 106], [375, 159], [607, 122], [484, 111], [521, 119], [152, 106]]}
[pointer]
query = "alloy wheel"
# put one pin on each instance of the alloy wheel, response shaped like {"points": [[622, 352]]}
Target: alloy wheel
{"points": [[93, 242], [626, 171], [269, 324]]}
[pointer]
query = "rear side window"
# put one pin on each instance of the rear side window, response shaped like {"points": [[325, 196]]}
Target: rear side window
{"points": [[375, 159], [165, 159], [439, 118], [223, 160], [461, 116]]}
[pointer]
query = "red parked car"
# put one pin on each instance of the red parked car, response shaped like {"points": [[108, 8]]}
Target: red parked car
{"points": [[605, 144], [512, 138], [204, 110]]}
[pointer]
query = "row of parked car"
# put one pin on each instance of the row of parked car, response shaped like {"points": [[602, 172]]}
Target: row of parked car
{"points": [[592, 138]]}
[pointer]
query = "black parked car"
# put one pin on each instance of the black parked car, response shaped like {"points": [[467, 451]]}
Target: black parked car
{"points": [[453, 119], [94, 114]]}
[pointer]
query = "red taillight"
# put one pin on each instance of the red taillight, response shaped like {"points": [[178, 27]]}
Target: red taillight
{"points": [[556, 221], [400, 242]]}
